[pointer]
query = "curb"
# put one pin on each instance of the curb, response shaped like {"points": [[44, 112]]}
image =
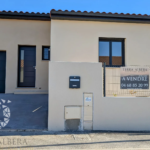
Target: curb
{"points": [[23, 130]]}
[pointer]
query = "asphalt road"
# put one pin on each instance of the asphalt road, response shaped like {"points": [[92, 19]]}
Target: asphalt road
{"points": [[74, 140]]}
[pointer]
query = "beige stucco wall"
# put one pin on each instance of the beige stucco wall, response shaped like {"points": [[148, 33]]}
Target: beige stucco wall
{"points": [[24, 32], [77, 41], [123, 114], [115, 114], [61, 95]]}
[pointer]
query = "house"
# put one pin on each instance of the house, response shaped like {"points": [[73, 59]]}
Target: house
{"points": [[61, 54]]}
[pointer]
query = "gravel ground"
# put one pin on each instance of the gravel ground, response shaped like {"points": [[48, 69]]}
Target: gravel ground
{"points": [[75, 140]]}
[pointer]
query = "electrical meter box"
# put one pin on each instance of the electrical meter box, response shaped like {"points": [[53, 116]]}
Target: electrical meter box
{"points": [[72, 112], [74, 82]]}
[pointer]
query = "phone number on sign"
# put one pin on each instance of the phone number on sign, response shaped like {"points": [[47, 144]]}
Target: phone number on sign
{"points": [[135, 85]]}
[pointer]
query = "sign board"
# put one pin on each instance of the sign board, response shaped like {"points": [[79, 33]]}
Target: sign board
{"points": [[134, 78]]}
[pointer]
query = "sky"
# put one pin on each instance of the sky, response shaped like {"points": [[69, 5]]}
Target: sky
{"points": [[120, 6]]}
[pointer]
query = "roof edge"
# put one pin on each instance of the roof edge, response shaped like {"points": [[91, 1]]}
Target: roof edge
{"points": [[97, 16], [24, 16]]}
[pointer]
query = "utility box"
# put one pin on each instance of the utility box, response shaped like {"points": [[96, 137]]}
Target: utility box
{"points": [[72, 112], [88, 125], [88, 114], [74, 82], [72, 118], [88, 111]]}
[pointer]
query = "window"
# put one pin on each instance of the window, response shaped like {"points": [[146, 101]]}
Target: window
{"points": [[22, 66], [45, 53], [111, 51]]}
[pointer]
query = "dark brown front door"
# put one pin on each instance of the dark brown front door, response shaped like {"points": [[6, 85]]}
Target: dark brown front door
{"points": [[2, 71], [27, 66]]}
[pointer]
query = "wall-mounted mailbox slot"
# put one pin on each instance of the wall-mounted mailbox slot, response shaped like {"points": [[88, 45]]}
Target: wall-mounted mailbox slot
{"points": [[74, 82]]}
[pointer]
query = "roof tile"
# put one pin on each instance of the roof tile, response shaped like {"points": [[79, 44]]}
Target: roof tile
{"points": [[109, 13], [103, 12]]}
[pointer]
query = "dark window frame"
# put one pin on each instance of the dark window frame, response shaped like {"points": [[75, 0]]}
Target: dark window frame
{"points": [[43, 52], [110, 40]]}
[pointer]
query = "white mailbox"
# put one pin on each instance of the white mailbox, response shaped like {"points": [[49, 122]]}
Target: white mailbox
{"points": [[72, 112]]}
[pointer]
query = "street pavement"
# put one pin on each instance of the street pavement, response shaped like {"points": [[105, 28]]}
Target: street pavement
{"points": [[28, 111], [75, 140]]}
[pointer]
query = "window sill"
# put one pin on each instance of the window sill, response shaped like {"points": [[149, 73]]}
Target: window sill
{"points": [[45, 60], [115, 66]]}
